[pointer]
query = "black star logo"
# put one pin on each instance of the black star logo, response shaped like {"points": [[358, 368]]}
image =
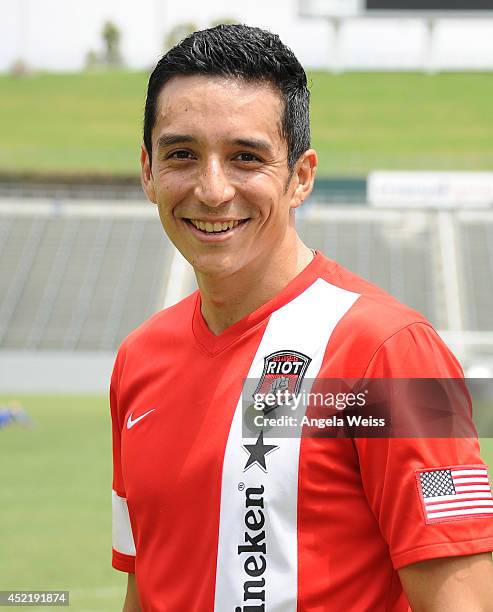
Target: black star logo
{"points": [[258, 451]]}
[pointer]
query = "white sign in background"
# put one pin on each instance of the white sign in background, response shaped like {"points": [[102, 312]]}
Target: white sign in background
{"points": [[430, 188]]}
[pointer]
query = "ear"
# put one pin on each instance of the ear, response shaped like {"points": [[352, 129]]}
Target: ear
{"points": [[146, 177], [304, 177]]}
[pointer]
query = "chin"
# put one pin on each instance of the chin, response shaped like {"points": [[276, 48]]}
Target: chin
{"points": [[215, 266]]}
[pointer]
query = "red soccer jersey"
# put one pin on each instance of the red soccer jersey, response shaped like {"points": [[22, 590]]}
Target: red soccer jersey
{"points": [[211, 520]]}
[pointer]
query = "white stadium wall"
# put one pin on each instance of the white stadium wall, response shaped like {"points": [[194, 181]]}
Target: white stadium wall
{"points": [[29, 32], [55, 371]]}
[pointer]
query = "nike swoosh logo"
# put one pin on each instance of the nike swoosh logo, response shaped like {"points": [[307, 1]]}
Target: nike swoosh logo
{"points": [[131, 423]]}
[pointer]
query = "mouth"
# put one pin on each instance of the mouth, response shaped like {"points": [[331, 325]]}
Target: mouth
{"points": [[218, 227]]}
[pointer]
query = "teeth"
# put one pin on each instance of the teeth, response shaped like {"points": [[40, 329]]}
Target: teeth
{"points": [[210, 228]]}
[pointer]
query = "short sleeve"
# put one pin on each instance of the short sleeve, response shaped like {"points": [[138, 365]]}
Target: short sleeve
{"points": [[123, 546], [431, 497]]}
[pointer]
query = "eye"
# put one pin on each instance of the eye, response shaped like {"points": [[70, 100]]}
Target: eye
{"points": [[180, 154], [247, 157]]}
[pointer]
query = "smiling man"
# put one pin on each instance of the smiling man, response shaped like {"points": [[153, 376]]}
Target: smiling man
{"points": [[205, 518], [218, 141]]}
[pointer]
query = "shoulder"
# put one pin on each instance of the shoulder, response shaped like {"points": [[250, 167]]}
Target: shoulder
{"points": [[160, 331]]}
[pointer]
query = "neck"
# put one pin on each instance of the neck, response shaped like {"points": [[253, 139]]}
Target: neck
{"points": [[227, 300]]}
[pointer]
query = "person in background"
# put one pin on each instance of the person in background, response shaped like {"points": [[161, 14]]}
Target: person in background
{"points": [[13, 413]]}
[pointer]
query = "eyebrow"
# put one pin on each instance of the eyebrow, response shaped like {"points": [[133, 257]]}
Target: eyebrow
{"points": [[168, 140], [253, 143]]}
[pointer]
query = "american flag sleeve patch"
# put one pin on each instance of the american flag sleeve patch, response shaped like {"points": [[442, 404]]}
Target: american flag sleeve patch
{"points": [[455, 493]]}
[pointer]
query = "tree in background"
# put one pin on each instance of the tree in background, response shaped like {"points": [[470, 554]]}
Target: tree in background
{"points": [[179, 32], [111, 55], [111, 39], [93, 60], [183, 29], [224, 21], [19, 68]]}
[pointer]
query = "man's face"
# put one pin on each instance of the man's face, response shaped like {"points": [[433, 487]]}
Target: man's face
{"points": [[219, 172]]}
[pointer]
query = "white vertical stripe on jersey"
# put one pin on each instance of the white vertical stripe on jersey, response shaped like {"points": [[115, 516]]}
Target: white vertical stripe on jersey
{"points": [[305, 324], [123, 539]]}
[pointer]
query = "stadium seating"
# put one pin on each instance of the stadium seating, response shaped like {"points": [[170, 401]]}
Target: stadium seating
{"points": [[476, 238], [79, 281], [396, 252], [80, 275]]}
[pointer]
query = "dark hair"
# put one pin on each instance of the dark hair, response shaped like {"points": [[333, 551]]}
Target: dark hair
{"points": [[242, 52]]}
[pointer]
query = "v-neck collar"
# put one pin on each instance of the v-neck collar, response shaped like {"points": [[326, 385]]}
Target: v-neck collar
{"points": [[213, 344]]}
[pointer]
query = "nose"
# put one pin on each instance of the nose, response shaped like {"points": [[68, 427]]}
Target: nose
{"points": [[213, 187]]}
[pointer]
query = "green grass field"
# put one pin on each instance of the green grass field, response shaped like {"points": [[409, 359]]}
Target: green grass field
{"points": [[55, 502], [91, 122]]}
